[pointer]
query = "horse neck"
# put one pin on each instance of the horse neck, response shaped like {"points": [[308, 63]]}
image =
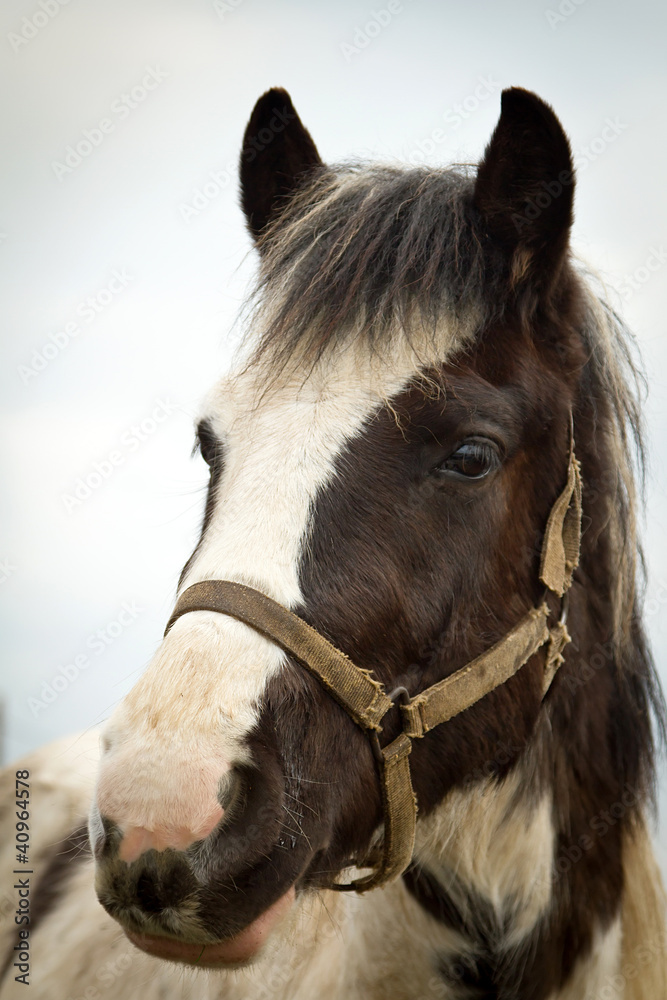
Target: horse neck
{"points": [[493, 841]]}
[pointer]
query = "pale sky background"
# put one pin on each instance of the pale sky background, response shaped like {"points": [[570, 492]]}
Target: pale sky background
{"points": [[163, 332]]}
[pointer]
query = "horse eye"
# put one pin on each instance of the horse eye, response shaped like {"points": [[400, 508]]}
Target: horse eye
{"points": [[209, 446], [474, 459]]}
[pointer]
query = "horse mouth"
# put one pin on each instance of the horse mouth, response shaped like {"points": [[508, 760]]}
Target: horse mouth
{"points": [[238, 950]]}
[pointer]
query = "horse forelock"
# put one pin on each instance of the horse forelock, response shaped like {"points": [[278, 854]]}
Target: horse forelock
{"points": [[366, 252]]}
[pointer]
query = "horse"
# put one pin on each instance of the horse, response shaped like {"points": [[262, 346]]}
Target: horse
{"points": [[399, 739]]}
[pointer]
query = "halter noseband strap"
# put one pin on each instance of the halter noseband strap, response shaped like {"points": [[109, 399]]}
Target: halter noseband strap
{"points": [[365, 699]]}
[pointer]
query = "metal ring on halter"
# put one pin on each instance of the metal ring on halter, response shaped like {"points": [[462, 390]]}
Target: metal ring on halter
{"points": [[404, 698], [564, 608], [402, 694]]}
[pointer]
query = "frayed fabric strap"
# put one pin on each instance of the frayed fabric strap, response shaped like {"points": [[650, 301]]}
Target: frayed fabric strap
{"points": [[460, 690], [400, 817], [365, 699], [562, 538], [355, 689]]}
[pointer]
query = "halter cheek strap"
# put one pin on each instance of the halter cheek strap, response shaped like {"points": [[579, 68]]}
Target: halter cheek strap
{"points": [[365, 699]]}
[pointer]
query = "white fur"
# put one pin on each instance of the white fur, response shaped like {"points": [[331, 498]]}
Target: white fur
{"points": [[472, 839], [594, 978]]}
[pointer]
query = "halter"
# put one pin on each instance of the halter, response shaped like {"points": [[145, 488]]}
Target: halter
{"points": [[365, 699]]}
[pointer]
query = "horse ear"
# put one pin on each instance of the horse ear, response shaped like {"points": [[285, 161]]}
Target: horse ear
{"points": [[277, 154], [524, 189]]}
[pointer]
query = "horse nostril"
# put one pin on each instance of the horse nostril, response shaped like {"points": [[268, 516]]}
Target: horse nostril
{"points": [[147, 896], [232, 795], [164, 883]]}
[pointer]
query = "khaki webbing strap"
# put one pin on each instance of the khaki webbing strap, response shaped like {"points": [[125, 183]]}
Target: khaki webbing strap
{"points": [[558, 640], [400, 816], [356, 690], [562, 538], [482, 675]]}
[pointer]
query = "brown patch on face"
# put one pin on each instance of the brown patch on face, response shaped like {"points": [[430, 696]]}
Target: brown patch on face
{"points": [[414, 573]]}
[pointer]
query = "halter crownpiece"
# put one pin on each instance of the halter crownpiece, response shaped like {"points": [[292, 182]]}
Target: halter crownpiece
{"points": [[365, 699]]}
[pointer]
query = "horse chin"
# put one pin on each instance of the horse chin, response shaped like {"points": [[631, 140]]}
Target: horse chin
{"points": [[237, 951]]}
